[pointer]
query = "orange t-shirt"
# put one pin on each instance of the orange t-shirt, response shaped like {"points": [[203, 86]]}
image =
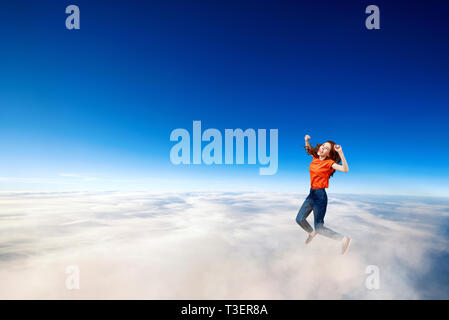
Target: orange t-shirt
{"points": [[320, 171]]}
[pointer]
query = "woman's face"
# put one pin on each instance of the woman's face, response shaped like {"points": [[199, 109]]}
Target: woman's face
{"points": [[324, 149]]}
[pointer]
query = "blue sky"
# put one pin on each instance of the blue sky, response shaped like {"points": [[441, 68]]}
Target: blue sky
{"points": [[93, 108]]}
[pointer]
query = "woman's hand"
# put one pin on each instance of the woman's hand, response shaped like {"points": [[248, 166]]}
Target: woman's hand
{"points": [[307, 138], [338, 148]]}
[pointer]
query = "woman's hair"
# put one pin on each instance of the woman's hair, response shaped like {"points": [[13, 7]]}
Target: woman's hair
{"points": [[332, 153]]}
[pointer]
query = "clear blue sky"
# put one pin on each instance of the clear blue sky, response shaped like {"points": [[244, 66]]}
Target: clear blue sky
{"points": [[93, 108]]}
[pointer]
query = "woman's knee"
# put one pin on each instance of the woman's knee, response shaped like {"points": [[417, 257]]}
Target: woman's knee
{"points": [[301, 219]]}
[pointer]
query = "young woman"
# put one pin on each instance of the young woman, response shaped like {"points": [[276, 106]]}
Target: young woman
{"points": [[325, 161]]}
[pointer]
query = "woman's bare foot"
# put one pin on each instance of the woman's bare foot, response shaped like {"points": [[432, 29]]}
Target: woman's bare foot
{"points": [[345, 244], [310, 237]]}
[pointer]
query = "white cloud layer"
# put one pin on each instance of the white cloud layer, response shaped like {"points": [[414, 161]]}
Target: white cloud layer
{"points": [[218, 246]]}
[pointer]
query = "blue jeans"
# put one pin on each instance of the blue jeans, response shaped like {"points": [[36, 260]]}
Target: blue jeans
{"points": [[316, 201]]}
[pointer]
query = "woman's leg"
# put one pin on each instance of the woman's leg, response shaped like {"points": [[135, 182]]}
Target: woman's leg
{"points": [[319, 211], [303, 213], [321, 229]]}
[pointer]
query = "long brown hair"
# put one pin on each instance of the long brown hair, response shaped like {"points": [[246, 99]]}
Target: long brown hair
{"points": [[332, 153]]}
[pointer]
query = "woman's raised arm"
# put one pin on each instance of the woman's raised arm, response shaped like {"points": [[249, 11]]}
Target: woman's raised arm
{"points": [[306, 139], [340, 167]]}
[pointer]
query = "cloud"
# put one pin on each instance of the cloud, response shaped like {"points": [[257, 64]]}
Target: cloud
{"points": [[217, 245], [77, 176]]}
